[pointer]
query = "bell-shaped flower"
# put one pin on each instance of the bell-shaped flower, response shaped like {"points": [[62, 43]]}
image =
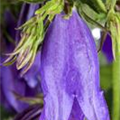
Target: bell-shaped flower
{"points": [[70, 72]]}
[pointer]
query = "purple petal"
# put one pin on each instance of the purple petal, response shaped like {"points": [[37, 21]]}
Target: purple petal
{"points": [[3, 101], [107, 49], [27, 11], [70, 69], [76, 113], [11, 23], [10, 83], [32, 9], [88, 92], [21, 19], [32, 77], [57, 102], [10, 80]]}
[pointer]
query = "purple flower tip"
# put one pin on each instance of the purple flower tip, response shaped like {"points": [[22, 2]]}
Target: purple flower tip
{"points": [[107, 49]]}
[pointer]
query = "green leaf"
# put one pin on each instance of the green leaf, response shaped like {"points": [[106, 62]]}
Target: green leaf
{"points": [[7, 63]]}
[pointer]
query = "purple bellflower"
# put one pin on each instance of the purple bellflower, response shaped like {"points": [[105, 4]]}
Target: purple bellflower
{"points": [[70, 72]]}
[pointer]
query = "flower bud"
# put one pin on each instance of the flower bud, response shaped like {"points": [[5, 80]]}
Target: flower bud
{"points": [[69, 71]]}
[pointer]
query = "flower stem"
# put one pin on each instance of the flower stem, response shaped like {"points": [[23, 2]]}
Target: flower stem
{"points": [[110, 4], [101, 5], [116, 88]]}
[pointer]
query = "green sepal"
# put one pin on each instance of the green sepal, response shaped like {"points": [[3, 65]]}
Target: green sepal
{"points": [[97, 5], [33, 32], [110, 4], [113, 24], [7, 63], [45, 7], [29, 22], [91, 16], [30, 100]]}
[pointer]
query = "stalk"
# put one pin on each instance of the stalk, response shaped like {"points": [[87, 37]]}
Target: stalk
{"points": [[116, 88], [101, 5], [110, 4]]}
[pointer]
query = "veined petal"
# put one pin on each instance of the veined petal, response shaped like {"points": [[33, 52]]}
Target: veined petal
{"points": [[57, 102], [85, 57], [70, 69]]}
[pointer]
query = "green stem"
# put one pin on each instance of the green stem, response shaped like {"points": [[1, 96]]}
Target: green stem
{"points": [[97, 5], [110, 4], [101, 5], [116, 88]]}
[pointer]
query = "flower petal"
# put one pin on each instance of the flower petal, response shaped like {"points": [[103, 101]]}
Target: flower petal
{"points": [[88, 92], [107, 49], [11, 84], [76, 113], [32, 77]]}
